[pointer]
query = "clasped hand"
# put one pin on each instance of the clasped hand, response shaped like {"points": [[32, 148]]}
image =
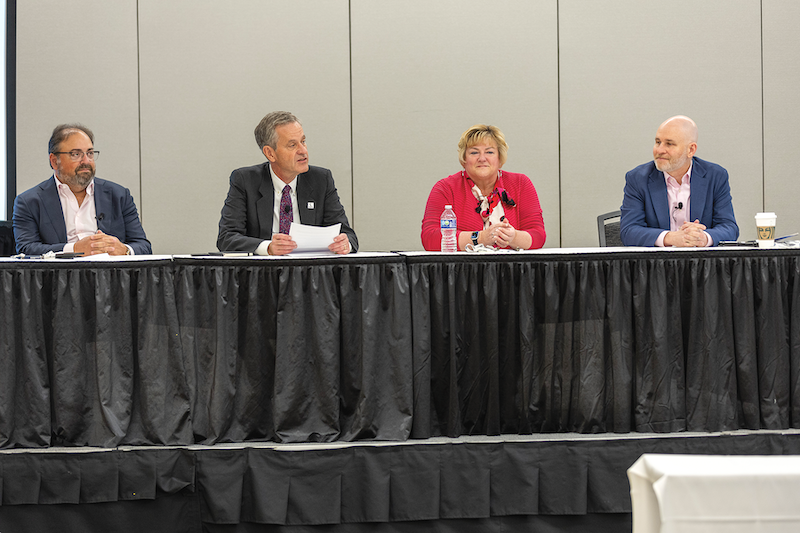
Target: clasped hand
{"points": [[501, 235], [100, 243], [689, 234]]}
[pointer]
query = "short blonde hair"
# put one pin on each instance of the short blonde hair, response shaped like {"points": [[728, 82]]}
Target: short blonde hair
{"points": [[482, 134]]}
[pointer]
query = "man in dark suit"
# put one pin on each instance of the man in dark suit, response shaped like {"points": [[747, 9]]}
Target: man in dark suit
{"points": [[677, 199], [264, 199], [73, 211]]}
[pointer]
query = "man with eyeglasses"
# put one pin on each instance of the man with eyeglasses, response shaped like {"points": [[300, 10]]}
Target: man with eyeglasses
{"points": [[677, 199], [73, 211]]}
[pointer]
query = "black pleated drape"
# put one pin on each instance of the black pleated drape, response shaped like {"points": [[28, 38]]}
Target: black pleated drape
{"points": [[606, 342], [577, 482], [297, 351], [202, 351], [89, 356], [187, 350]]}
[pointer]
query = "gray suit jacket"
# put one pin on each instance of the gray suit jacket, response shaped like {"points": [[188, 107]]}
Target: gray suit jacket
{"points": [[246, 218]]}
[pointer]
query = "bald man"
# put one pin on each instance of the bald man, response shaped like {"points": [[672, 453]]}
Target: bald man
{"points": [[677, 199]]}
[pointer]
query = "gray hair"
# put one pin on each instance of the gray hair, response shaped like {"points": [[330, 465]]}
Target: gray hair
{"points": [[265, 131], [62, 131]]}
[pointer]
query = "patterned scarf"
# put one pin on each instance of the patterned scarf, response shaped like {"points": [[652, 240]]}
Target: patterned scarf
{"points": [[491, 207]]}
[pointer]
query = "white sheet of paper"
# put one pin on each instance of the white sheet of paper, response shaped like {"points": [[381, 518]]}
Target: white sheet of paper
{"points": [[313, 239]]}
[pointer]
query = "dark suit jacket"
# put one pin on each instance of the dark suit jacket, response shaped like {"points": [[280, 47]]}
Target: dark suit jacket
{"points": [[646, 213], [39, 225], [246, 218]]}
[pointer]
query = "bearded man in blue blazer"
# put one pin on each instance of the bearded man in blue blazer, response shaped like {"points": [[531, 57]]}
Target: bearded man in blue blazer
{"points": [[73, 211], [263, 200], [677, 199]]}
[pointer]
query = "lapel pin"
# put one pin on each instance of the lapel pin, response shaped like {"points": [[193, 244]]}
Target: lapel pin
{"points": [[310, 205]]}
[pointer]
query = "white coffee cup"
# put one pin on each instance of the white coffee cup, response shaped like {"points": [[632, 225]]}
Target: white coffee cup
{"points": [[765, 229]]}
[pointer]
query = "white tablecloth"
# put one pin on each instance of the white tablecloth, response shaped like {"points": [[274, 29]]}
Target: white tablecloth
{"points": [[711, 493]]}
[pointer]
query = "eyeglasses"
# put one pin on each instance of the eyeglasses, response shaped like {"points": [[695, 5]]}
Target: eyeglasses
{"points": [[77, 155]]}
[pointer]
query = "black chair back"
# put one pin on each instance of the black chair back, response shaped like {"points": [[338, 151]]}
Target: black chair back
{"points": [[7, 246], [608, 229]]}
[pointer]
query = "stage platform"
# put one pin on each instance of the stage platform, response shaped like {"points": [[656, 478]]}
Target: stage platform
{"points": [[124, 382], [512, 483]]}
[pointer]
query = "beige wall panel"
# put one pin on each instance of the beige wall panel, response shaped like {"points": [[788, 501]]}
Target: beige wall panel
{"points": [[209, 72], [423, 72], [626, 65], [781, 112], [77, 62]]}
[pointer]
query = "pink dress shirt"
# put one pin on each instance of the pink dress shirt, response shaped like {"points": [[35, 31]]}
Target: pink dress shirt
{"points": [[678, 197]]}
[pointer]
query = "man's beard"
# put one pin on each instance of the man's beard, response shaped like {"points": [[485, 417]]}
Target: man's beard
{"points": [[82, 179]]}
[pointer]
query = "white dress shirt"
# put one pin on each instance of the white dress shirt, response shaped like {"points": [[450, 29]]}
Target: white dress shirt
{"points": [[81, 220]]}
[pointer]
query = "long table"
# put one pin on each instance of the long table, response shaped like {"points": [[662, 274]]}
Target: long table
{"points": [[183, 350]]}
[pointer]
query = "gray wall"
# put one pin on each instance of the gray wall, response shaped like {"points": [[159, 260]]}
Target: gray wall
{"points": [[174, 88]]}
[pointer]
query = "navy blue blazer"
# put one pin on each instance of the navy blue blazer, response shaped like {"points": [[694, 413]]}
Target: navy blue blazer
{"points": [[39, 225], [646, 213], [246, 219]]}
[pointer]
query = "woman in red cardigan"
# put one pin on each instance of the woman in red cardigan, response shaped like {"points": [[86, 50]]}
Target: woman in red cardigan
{"points": [[493, 207]]}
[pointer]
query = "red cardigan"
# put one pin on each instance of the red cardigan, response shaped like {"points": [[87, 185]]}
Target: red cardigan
{"points": [[456, 190]]}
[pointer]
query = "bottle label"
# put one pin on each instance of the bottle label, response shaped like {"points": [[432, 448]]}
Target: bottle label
{"points": [[448, 224]]}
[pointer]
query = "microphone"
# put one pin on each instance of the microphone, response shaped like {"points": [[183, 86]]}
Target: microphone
{"points": [[100, 217], [287, 208], [680, 205]]}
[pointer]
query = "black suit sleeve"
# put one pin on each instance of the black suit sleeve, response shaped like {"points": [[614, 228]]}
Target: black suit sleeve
{"points": [[233, 223]]}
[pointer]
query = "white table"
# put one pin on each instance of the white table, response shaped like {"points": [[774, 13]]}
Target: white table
{"points": [[711, 493]]}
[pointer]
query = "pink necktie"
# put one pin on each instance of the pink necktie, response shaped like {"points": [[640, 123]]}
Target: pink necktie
{"points": [[286, 211]]}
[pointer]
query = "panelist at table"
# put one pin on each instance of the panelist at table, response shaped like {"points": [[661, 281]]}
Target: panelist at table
{"points": [[493, 207], [677, 199], [263, 200], [74, 211]]}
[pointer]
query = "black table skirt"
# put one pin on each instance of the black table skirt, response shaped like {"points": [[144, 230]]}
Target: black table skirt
{"points": [[298, 352], [590, 343], [203, 351], [89, 357], [187, 351]]}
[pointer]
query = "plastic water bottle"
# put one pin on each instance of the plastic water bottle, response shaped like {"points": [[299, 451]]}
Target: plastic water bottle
{"points": [[447, 223]]}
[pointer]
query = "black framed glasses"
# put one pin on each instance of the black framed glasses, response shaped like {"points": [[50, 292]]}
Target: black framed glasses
{"points": [[77, 155]]}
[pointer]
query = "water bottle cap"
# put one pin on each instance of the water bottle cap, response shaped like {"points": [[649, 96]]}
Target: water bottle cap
{"points": [[448, 207]]}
